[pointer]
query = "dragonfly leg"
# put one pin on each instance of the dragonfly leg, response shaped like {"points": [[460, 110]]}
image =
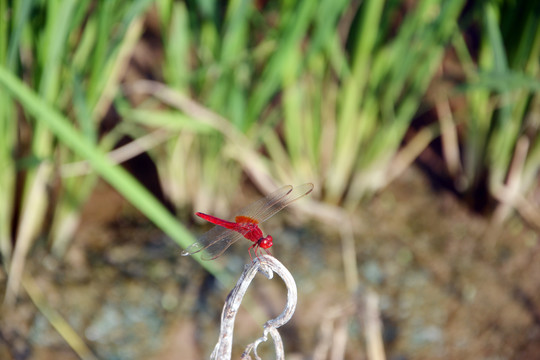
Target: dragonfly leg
{"points": [[254, 246], [268, 252]]}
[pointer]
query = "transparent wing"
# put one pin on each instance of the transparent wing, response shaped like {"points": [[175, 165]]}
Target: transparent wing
{"points": [[267, 207], [258, 206], [216, 248], [214, 242]]}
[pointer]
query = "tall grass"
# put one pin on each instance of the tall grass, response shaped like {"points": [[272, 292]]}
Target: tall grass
{"points": [[326, 90], [8, 136], [502, 93], [288, 92], [73, 55], [375, 95]]}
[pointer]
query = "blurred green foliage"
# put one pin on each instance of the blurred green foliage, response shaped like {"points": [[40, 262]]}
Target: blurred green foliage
{"points": [[278, 92]]}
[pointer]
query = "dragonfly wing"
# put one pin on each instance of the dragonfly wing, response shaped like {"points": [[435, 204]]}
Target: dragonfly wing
{"points": [[213, 242], [258, 206], [267, 207], [217, 248]]}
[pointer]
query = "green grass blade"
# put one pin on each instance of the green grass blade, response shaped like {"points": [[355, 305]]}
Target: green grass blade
{"points": [[120, 179]]}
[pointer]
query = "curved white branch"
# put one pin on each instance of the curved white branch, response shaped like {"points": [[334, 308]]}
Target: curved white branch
{"points": [[267, 265]]}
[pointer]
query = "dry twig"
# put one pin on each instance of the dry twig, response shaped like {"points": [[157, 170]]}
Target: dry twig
{"points": [[267, 265]]}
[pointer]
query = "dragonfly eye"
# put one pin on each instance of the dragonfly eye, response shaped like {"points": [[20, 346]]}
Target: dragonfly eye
{"points": [[266, 242]]}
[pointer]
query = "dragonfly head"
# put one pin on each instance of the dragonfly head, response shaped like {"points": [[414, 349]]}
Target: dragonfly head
{"points": [[266, 242]]}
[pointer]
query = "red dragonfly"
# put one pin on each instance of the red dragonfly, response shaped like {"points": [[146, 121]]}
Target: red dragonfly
{"points": [[225, 233]]}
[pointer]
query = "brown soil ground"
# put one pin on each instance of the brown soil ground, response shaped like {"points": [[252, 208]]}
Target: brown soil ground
{"points": [[450, 284]]}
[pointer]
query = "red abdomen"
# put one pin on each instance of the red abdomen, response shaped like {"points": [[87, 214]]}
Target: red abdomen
{"points": [[215, 220], [245, 225]]}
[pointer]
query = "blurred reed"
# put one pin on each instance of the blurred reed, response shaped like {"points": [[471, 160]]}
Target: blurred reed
{"points": [[275, 92]]}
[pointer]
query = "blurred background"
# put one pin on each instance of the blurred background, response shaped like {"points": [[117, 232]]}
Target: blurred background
{"points": [[416, 120]]}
